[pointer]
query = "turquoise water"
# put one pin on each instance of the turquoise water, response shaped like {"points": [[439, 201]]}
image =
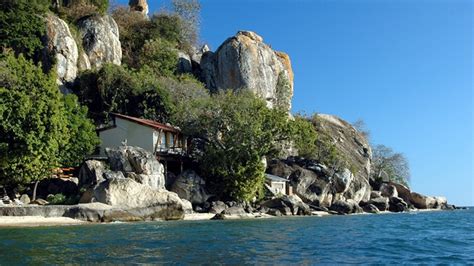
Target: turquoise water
{"points": [[434, 237]]}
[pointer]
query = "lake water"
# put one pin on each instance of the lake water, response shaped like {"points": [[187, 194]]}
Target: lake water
{"points": [[428, 237]]}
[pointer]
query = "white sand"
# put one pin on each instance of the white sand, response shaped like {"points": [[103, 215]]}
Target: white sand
{"points": [[31, 221]]}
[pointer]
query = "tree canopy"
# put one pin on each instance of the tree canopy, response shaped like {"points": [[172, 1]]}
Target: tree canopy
{"points": [[388, 165], [37, 131]]}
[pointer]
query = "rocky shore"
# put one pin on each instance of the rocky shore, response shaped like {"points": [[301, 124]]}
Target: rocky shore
{"points": [[131, 186]]}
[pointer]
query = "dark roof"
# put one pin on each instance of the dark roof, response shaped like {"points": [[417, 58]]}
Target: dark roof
{"points": [[275, 178], [148, 123]]}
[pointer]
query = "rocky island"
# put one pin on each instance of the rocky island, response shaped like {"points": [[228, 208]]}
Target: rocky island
{"points": [[330, 170]]}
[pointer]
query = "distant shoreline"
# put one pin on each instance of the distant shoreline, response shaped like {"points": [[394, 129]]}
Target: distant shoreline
{"points": [[40, 221]]}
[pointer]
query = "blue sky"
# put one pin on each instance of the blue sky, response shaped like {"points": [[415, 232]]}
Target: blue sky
{"points": [[404, 66]]}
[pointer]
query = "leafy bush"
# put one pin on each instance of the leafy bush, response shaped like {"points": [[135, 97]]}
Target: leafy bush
{"points": [[136, 30], [117, 89], [160, 56], [32, 125], [57, 199], [22, 26], [82, 136], [238, 130]]}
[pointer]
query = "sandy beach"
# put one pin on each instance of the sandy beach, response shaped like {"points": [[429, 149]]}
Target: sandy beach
{"points": [[32, 221]]}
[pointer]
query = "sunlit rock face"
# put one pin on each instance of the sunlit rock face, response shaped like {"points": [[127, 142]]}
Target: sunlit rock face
{"points": [[244, 61]]}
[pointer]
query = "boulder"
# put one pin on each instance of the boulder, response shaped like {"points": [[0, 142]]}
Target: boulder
{"points": [[139, 6], [184, 63], [91, 173], [191, 186], [39, 202], [388, 190], [125, 192], [288, 205], [217, 207], [403, 191], [345, 207], [246, 62], [397, 204], [370, 208], [310, 187], [139, 164], [422, 201], [235, 210], [62, 46], [341, 181], [25, 199], [382, 203], [108, 174], [441, 203], [100, 39], [375, 194]]}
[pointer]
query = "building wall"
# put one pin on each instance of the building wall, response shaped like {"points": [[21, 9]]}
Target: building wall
{"points": [[278, 187], [135, 134]]}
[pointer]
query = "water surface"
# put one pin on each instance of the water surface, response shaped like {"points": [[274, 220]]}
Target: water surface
{"points": [[428, 237]]}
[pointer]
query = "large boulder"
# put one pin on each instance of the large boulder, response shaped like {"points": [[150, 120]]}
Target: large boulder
{"points": [[100, 39], [139, 6], [342, 181], [246, 62], [310, 187], [62, 46], [143, 164], [388, 190], [403, 191], [397, 204], [91, 173], [345, 207], [191, 186], [382, 203], [288, 205], [126, 193], [422, 201]]}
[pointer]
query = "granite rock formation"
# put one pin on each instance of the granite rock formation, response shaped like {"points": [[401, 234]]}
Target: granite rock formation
{"points": [[246, 62]]}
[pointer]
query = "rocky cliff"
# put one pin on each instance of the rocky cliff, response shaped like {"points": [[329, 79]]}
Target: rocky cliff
{"points": [[244, 61], [97, 43]]}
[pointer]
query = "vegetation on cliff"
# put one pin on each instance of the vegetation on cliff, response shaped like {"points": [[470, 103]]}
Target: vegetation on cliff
{"points": [[40, 129]]}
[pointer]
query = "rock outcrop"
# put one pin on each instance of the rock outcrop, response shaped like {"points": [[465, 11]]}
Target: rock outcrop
{"points": [[138, 164], [320, 185], [190, 186], [127, 193], [62, 46], [246, 62], [100, 39], [139, 6]]}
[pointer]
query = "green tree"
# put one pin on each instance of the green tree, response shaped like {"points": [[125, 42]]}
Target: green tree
{"points": [[304, 136], [117, 89], [238, 130], [22, 26], [160, 56], [32, 125], [81, 131]]}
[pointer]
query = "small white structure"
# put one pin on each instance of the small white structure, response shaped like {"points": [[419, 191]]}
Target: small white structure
{"points": [[277, 185], [147, 134]]}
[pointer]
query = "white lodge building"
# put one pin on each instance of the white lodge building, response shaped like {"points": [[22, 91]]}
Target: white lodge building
{"points": [[160, 139]]}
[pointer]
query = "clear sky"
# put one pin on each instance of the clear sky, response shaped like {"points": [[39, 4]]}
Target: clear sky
{"points": [[403, 66]]}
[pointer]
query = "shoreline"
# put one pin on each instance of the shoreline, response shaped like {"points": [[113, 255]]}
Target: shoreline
{"points": [[39, 221]]}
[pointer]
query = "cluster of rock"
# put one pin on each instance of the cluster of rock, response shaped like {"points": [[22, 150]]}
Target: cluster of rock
{"points": [[243, 62], [98, 37]]}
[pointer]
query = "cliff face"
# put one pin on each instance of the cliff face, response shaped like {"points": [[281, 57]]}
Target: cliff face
{"points": [[320, 185], [99, 38], [246, 62]]}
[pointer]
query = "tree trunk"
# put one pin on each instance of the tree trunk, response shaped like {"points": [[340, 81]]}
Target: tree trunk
{"points": [[34, 190]]}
